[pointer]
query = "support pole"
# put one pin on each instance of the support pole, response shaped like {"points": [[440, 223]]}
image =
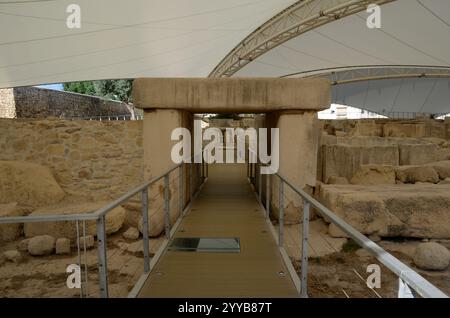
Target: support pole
{"points": [[181, 189], [166, 206], [260, 184], [145, 239], [191, 182], [281, 216], [102, 264], [305, 238], [267, 195]]}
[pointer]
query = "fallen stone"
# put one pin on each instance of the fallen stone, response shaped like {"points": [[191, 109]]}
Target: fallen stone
{"points": [[90, 241], [62, 246], [374, 174], [374, 238], [442, 168], [419, 211], [336, 232], [413, 174], [13, 256], [432, 256], [28, 184], [41, 245], [114, 220], [10, 232], [131, 234], [23, 245]]}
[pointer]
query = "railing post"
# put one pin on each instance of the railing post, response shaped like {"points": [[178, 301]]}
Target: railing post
{"points": [[305, 238], [145, 239], [260, 184], [281, 213], [267, 195], [166, 206], [181, 189], [191, 182], [102, 264]]}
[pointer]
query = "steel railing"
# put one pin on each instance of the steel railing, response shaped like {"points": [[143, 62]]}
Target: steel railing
{"points": [[109, 117], [406, 275], [100, 215]]}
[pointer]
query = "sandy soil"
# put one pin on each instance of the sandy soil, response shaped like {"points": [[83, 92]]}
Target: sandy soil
{"points": [[46, 276], [338, 274]]}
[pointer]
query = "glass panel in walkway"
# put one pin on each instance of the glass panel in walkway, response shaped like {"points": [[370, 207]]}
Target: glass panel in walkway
{"points": [[225, 208]]}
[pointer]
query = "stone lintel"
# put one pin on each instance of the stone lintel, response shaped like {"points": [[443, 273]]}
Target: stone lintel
{"points": [[232, 95]]}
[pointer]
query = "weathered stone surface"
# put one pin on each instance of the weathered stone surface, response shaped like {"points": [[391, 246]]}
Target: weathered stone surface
{"points": [[334, 231], [442, 168], [131, 234], [419, 129], [414, 174], [133, 213], [114, 220], [297, 132], [41, 245], [78, 154], [417, 154], [392, 210], [374, 174], [344, 160], [10, 232], [231, 94], [35, 102], [337, 180], [62, 246], [13, 256], [23, 245], [28, 183], [367, 128], [90, 241], [445, 181], [432, 256]]}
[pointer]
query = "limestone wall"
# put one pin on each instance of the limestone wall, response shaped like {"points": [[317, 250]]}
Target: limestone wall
{"points": [[100, 160], [7, 107], [33, 102]]}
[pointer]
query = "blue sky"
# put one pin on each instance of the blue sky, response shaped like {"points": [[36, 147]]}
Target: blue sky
{"points": [[58, 87]]}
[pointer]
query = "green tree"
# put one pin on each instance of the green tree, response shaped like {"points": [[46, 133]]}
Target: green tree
{"points": [[119, 90]]}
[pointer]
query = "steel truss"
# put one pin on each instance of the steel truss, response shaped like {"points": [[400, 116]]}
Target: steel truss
{"points": [[301, 17], [381, 73]]}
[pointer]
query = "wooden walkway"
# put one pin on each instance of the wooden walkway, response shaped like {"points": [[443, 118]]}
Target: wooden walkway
{"points": [[226, 207]]}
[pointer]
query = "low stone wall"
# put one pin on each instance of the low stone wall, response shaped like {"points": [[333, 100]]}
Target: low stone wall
{"points": [[99, 160], [34, 102], [414, 128]]}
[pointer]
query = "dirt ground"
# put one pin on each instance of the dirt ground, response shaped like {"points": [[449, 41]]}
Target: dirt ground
{"points": [[343, 274], [340, 274], [46, 276]]}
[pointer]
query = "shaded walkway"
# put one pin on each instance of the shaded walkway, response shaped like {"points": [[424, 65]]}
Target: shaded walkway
{"points": [[226, 207]]}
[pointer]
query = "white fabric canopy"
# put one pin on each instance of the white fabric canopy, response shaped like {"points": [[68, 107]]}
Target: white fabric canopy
{"points": [[122, 38], [188, 38]]}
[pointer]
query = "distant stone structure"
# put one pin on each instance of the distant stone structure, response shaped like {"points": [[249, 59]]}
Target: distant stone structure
{"points": [[34, 102]]}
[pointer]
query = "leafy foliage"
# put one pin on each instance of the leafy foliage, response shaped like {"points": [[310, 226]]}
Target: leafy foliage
{"points": [[119, 90]]}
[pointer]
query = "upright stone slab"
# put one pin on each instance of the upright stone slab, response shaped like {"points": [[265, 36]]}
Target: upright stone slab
{"points": [[299, 142], [292, 105], [157, 143]]}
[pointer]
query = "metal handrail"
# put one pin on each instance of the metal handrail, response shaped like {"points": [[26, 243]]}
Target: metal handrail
{"points": [[99, 216], [94, 215], [406, 274]]}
